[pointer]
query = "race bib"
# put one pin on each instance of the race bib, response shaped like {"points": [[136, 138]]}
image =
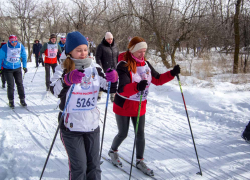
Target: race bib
{"points": [[84, 95]]}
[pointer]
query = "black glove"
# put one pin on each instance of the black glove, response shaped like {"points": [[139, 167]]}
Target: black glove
{"points": [[142, 85], [176, 70], [25, 70], [40, 60]]}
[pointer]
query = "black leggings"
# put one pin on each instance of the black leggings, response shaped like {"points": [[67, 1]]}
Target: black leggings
{"points": [[123, 127], [13, 76]]}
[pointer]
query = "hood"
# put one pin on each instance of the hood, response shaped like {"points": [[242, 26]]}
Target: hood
{"points": [[105, 43]]}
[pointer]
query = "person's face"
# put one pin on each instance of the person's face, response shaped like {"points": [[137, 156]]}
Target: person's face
{"points": [[63, 41], [80, 52], [36, 42], [140, 53], [109, 40], [13, 43], [53, 40]]}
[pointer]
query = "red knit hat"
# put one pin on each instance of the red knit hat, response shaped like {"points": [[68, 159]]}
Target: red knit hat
{"points": [[12, 38]]}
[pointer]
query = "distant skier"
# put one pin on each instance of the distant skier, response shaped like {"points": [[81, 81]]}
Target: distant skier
{"points": [[36, 50], [80, 131], [50, 50], [2, 77], [61, 44], [135, 76], [246, 133], [3, 43], [11, 54]]}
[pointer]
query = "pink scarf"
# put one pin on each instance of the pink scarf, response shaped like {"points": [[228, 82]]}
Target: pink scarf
{"points": [[136, 59]]}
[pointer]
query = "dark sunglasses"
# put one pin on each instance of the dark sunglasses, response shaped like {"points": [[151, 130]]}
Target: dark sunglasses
{"points": [[13, 41]]}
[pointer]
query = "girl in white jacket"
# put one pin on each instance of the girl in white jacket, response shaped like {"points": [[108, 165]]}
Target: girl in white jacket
{"points": [[79, 127]]}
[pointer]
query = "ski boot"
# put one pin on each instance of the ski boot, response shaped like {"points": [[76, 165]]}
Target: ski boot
{"points": [[115, 158], [11, 104], [143, 167], [22, 102]]}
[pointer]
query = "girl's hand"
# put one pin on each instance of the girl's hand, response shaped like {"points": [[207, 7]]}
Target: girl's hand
{"points": [[73, 77], [111, 75]]}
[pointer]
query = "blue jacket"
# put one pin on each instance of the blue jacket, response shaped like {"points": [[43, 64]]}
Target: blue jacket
{"points": [[61, 45], [8, 65]]}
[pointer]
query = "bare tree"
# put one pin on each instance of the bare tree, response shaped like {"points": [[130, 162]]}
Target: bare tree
{"points": [[236, 36]]}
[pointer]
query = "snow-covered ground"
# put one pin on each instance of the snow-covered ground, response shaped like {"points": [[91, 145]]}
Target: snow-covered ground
{"points": [[218, 114]]}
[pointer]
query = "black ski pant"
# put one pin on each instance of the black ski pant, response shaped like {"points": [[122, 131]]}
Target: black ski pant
{"points": [[3, 78], [83, 152], [47, 73], [11, 75], [123, 127]]}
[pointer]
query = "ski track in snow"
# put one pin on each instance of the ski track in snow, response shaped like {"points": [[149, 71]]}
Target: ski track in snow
{"points": [[217, 120]]}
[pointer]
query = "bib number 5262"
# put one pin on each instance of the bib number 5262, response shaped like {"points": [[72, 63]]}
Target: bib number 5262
{"points": [[82, 102]]}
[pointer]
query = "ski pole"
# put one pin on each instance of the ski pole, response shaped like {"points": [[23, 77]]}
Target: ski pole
{"points": [[35, 73], [198, 173], [59, 124], [137, 123], [105, 115]]}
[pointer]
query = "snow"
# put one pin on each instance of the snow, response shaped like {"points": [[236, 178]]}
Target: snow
{"points": [[218, 112]]}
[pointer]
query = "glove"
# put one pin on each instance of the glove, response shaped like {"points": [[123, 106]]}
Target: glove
{"points": [[25, 70], [111, 75], [0, 71], [73, 77], [141, 86], [176, 70], [40, 60]]}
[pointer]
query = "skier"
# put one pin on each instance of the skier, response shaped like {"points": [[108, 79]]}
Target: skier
{"points": [[80, 132], [11, 54], [61, 44], [2, 43], [2, 77], [246, 133], [50, 50], [106, 56], [36, 50], [135, 76]]}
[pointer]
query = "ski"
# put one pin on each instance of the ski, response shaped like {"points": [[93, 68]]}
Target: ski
{"points": [[136, 167], [13, 110], [119, 167], [47, 94], [25, 107], [20, 117]]}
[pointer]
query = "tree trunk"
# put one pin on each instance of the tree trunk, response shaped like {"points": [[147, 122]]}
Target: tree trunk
{"points": [[236, 37], [176, 45]]}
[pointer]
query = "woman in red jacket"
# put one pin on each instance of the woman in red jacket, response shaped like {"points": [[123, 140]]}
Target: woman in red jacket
{"points": [[135, 76]]}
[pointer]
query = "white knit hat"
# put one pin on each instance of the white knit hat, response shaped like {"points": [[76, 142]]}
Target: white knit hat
{"points": [[108, 35]]}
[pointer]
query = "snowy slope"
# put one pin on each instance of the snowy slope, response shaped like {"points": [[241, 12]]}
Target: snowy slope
{"points": [[218, 115]]}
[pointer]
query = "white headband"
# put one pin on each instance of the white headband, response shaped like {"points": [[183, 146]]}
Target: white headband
{"points": [[138, 46]]}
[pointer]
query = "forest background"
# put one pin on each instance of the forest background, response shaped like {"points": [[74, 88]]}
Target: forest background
{"points": [[192, 27]]}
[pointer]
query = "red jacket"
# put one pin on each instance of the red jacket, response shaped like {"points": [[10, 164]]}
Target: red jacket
{"points": [[126, 88]]}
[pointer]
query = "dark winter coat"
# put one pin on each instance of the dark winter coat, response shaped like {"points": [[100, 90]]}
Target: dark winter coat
{"points": [[36, 48], [107, 55]]}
